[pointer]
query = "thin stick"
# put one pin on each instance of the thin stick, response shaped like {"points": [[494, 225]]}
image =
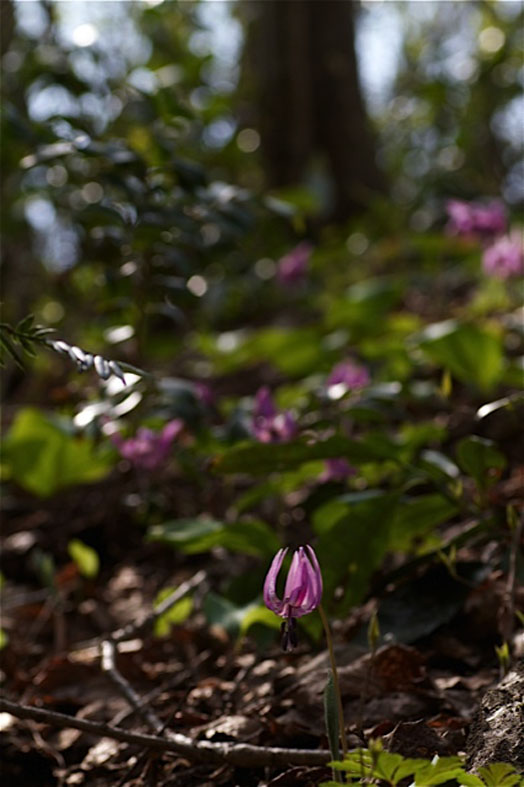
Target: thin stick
{"points": [[107, 661], [336, 684], [242, 755]]}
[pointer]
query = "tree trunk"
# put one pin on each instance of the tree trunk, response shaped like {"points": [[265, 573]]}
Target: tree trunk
{"points": [[301, 62]]}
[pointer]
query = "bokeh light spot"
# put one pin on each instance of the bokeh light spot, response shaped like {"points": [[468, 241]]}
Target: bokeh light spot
{"points": [[85, 35]]}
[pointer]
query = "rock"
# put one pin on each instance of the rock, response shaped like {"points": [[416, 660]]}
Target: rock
{"points": [[497, 731]]}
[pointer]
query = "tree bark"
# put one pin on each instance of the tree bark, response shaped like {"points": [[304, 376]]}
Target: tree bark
{"points": [[301, 62]]}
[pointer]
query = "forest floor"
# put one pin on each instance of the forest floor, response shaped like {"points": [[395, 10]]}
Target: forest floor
{"points": [[419, 692]]}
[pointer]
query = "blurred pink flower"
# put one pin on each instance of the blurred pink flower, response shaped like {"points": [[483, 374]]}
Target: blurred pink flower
{"points": [[349, 375], [505, 257], [336, 470], [270, 426], [476, 219], [292, 266], [148, 450], [204, 393]]}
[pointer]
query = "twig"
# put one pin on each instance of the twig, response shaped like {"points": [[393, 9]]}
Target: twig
{"points": [[107, 661], [242, 755]]}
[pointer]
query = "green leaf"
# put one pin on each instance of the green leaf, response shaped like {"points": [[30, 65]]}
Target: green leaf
{"points": [[25, 324], [4, 639], [364, 305], [438, 465], [469, 780], [499, 774], [331, 716], [42, 458], [178, 613], [363, 764], [220, 611], [261, 458], [472, 354], [354, 534], [477, 456], [8, 345], [85, 558], [259, 615], [417, 517], [439, 771], [192, 536]]}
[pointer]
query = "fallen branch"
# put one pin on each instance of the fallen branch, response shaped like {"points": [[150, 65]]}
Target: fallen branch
{"points": [[242, 755]]}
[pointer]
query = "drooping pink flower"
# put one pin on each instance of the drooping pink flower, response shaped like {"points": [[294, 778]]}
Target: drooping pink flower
{"points": [[302, 593], [337, 469], [347, 376], [476, 219], [292, 267], [270, 426], [505, 257], [148, 450]]}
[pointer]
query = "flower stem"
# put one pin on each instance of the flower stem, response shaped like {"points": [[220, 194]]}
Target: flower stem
{"points": [[336, 684]]}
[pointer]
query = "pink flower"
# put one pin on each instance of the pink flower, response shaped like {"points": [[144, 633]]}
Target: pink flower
{"points": [[349, 375], [476, 219], [292, 266], [302, 593], [270, 426], [148, 450], [505, 257], [336, 470], [204, 393]]}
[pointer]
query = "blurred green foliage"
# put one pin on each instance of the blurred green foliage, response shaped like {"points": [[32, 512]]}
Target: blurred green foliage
{"points": [[138, 227]]}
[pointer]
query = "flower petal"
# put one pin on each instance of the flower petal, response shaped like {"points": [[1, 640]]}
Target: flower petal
{"points": [[315, 577], [296, 580], [271, 599]]}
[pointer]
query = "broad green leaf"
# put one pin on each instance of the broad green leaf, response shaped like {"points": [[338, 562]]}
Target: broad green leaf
{"points": [[85, 558], [477, 456], [354, 534], [42, 458], [261, 458], [472, 354], [295, 351], [220, 611], [417, 517], [200, 535], [364, 305]]}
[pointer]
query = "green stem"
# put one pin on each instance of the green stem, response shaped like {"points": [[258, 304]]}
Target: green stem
{"points": [[336, 684]]}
